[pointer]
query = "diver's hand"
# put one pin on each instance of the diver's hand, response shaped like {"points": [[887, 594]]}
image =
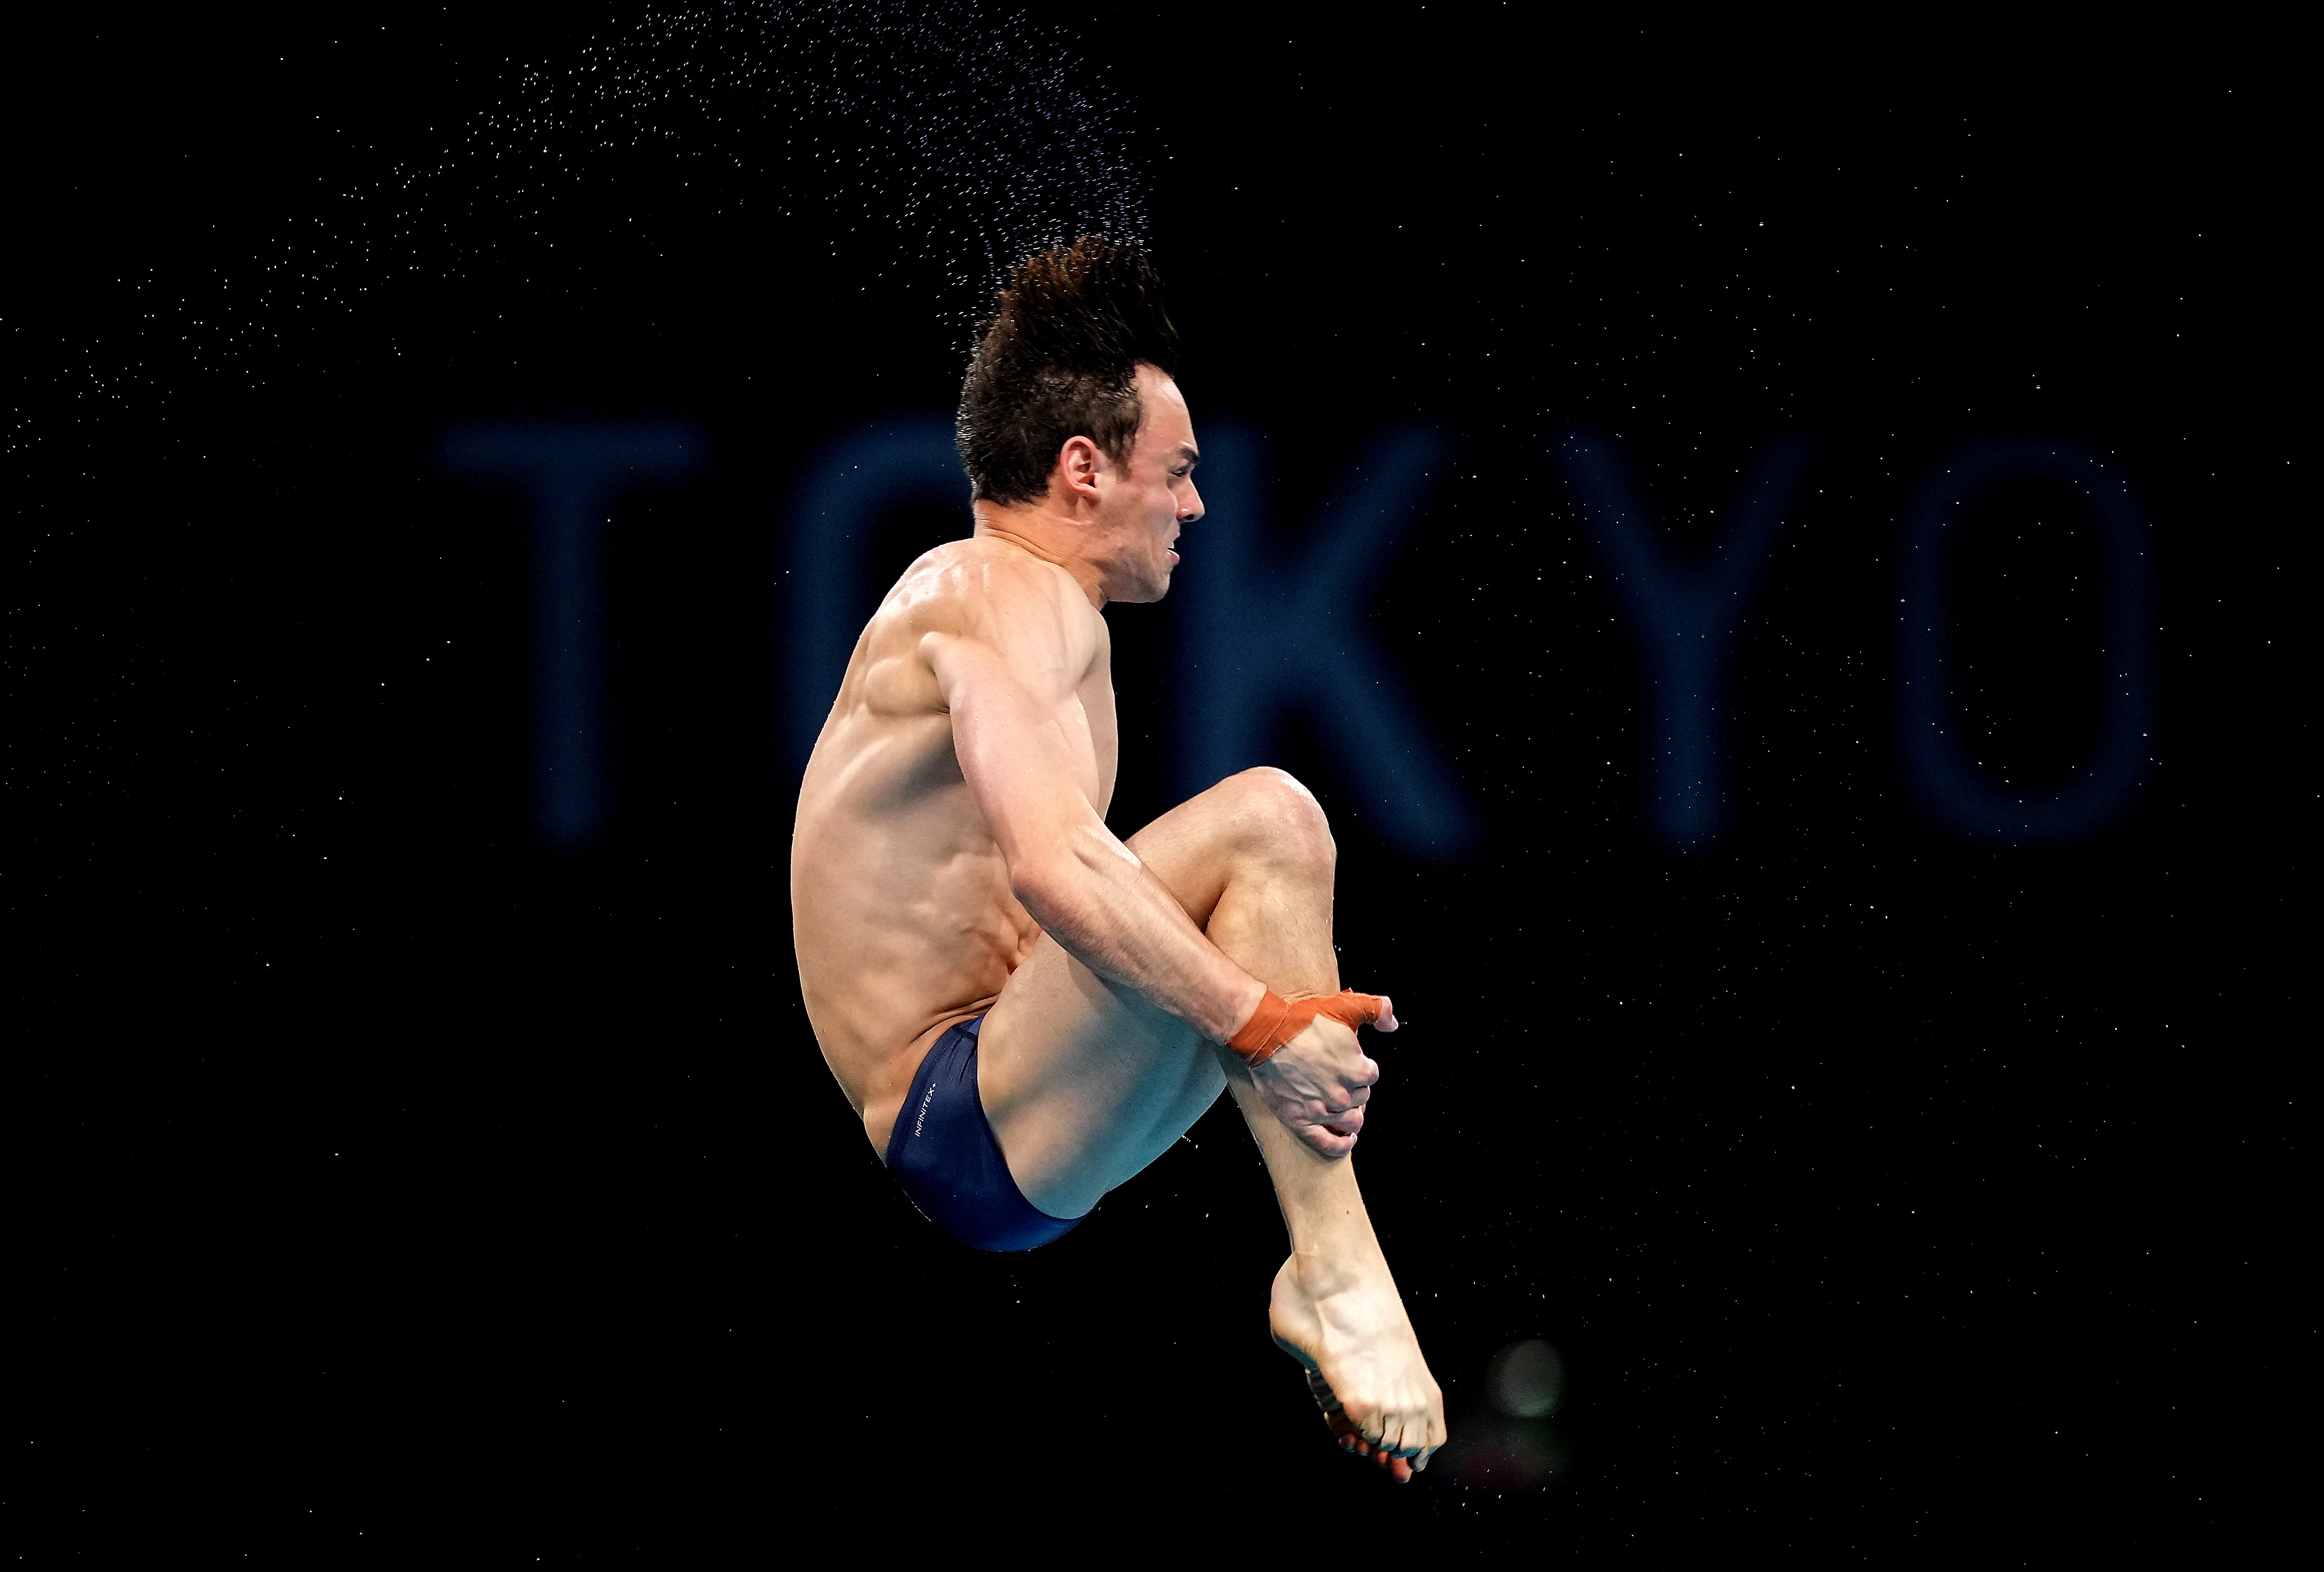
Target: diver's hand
{"points": [[1318, 1082]]}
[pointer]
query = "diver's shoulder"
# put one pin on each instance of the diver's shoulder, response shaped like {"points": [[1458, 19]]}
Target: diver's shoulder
{"points": [[977, 575]]}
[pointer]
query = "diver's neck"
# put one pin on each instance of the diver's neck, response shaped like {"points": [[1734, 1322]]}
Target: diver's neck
{"points": [[1032, 531]]}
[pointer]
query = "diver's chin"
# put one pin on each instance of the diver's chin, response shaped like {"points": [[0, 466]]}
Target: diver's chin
{"points": [[1147, 592]]}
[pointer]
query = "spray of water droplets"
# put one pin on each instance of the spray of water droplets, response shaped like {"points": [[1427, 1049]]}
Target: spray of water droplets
{"points": [[920, 149], [932, 141]]}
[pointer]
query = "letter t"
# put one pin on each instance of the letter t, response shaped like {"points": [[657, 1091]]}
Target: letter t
{"points": [[572, 472]]}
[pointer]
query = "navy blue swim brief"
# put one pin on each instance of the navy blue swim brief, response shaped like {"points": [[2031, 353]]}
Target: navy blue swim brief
{"points": [[944, 1152]]}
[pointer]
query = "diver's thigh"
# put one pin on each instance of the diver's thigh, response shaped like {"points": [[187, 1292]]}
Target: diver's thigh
{"points": [[1084, 1081], [1056, 1018]]}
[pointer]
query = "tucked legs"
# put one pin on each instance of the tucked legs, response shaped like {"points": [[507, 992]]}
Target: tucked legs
{"points": [[1085, 1084]]}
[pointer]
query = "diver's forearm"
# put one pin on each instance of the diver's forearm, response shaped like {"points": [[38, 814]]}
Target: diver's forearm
{"points": [[1109, 913]]}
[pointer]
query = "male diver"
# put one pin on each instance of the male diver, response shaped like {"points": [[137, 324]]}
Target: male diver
{"points": [[1024, 1009]]}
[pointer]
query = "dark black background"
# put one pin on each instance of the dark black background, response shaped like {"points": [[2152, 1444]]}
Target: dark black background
{"points": [[386, 1180]]}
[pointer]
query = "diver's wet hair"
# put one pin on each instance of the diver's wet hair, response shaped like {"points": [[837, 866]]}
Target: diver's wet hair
{"points": [[1058, 359]]}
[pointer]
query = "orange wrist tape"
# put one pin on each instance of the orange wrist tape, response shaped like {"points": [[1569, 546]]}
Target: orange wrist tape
{"points": [[1278, 1020]]}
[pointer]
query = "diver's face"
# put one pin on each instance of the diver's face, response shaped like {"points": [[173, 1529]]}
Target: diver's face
{"points": [[1153, 493]]}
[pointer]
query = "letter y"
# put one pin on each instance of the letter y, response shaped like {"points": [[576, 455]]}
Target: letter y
{"points": [[1686, 616]]}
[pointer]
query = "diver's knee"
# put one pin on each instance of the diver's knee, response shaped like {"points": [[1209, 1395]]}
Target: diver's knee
{"points": [[1287, 813]]}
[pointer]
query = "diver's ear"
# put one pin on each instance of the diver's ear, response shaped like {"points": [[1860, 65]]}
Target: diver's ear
{"points": [[1078, 463]]}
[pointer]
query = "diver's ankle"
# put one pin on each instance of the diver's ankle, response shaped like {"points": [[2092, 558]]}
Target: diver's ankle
{"points": [[1320, 1274]]}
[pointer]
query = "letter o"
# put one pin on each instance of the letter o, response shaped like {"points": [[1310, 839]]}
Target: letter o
{"points": [[1948, 783]]}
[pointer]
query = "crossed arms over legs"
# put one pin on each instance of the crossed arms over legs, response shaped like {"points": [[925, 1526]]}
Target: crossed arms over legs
{"points": [[1100, 1050]]}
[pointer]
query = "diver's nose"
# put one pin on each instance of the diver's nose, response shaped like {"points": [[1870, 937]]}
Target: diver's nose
{"points": [[1191, 511]]}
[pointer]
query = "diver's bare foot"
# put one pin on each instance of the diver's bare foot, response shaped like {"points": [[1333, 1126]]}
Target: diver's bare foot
{"points": [[1348, 1330]]}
